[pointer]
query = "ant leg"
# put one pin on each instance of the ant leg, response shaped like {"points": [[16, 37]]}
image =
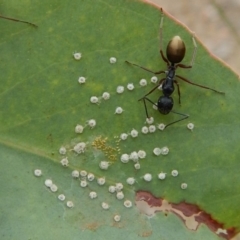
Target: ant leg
{"points": [[193, 56], [179, 94], [185, 116], [16, 20], [184, 79], [160, 37], [146, 69], [152, 89], [145, 105]]}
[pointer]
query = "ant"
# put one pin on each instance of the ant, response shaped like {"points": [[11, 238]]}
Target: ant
{"points": [[17, 20], [175, 53]]}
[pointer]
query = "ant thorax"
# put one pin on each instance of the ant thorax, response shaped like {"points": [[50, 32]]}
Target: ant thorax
{"points": [[171, 72]]}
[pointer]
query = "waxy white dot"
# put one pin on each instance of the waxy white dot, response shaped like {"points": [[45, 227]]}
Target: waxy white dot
{"points": [[137, 166], [183, 185], [134, 156], [143, 82], [48, 183], [134, 133], [79, 129], [62, 150], [105, 206], [83, 173], [144, 130], [165, 150], [123, 136], [174, 173], [160, 87], [150, 120], [130, 181], [161, 126], [190, 126], [141, 154], [81, 80], [117, 218], [92, 195], [79, 147], [118, 110], [112, 60], [64, 162], [120, 195], [120, 89], [83, 183], [125, 158], [61, 197], [162, 175], [155, 107], [119, 186], [77, 55], [104, 165], [127, 203], [90, 177], [101, 181], [154, 79], [152, 128], [106, 95], [38, 172], [53, 188], [75, 173], [130, 86], [157, 151], [112, 189], [70, 204], [92, 123], [94, 99], [147, 177]]}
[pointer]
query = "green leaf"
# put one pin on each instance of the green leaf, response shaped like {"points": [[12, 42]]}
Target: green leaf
{"points": [[41, 103]]}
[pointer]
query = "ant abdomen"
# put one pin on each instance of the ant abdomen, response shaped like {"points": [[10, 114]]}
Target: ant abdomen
{"points": [[175, 50], [165, 104]]}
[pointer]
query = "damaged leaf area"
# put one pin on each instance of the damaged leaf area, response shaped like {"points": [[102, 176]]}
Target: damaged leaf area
{"points": [[190, 214], [78, 156]]}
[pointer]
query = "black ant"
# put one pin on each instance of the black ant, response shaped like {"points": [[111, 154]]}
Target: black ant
{"points": [[17, 20], [175, 53]]}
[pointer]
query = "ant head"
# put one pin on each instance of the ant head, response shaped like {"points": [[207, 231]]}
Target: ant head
{"points": [[175, 50], [165, 104]]}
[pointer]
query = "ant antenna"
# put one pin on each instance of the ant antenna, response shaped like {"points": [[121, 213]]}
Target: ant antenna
{"points": [[160, 29], [194, 51], [17, 20]]}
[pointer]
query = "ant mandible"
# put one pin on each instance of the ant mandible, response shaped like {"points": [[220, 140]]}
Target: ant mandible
{"points": [[175, 53], [17, 20]]}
